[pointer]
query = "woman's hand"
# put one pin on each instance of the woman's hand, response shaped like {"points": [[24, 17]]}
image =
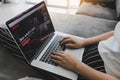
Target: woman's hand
{"points": [[65, 60], [73, 42]]}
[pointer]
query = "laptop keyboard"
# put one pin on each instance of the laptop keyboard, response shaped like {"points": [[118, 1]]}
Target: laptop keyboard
{"points": [[54, 46]]}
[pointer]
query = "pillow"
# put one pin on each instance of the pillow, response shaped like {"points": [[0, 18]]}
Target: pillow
{"points": [[87, 8], [105, 3], [118, 8]]}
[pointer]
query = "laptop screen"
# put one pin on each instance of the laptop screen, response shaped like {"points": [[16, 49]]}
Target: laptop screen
{"points": [[30, 29]]}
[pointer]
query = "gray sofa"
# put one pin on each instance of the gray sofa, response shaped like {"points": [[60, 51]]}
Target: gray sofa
{"points": [[81, 25], [90, 19]]}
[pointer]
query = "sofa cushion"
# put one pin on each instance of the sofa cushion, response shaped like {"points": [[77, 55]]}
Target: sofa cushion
{"points": [[118, 8], [81, 25], [96, 10]]}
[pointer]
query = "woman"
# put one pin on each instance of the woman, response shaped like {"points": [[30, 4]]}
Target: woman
{"points": [[101, 58]]}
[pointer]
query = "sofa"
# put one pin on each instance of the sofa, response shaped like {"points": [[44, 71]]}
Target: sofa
{"points": [[91, 19], [82, 24]]}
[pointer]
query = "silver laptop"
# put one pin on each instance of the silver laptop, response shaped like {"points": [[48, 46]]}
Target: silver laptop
{"points": [[36, 38]]}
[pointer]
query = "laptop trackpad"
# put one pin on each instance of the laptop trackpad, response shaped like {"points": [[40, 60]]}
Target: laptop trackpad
{"points": [[78, 53]]}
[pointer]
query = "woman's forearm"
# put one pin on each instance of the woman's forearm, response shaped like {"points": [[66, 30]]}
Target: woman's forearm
{"points": [[98, 38], [92, 74]]}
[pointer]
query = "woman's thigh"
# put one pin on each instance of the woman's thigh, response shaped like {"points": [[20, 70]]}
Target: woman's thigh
{"points": [[92, 58]]}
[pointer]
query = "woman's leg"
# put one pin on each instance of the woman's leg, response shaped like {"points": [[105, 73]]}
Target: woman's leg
{"points": [[92, 58]]}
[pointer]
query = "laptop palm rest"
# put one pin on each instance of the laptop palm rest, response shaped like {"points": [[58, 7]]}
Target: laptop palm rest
{"points": [[57, 69]]}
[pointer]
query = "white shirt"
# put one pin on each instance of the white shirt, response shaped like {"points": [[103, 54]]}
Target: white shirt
{"points": [[110, 53]]}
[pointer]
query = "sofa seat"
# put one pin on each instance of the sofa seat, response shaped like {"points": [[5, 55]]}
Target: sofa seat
{"points": [[82, 25], [96, 10]]}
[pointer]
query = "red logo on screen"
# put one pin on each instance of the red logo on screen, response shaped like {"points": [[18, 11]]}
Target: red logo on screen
{"points": [[26, 42], [15, 27]]}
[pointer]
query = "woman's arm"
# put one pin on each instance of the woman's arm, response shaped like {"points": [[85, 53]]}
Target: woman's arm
{"points": [[99, 38], [74, 42]]}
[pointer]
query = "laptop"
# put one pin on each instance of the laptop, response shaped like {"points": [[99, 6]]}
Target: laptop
{"points": [[36, 38]]}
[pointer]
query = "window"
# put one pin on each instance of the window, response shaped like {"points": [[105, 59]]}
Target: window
{"points": [[59, 3], [74, 3]]}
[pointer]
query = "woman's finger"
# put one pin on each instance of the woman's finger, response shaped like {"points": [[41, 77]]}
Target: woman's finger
{"points": [[59, 53], [66, 41], [56, 57], [65, 38], [70, 46], [56, 61]]}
